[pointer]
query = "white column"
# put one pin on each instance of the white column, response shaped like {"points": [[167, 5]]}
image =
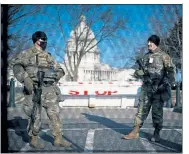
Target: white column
{"points": [[100, 75], [84, 75], [91, 76]]}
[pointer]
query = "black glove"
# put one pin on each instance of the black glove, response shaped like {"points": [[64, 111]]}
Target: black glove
{"points": [[146, 79], [164, 85]]}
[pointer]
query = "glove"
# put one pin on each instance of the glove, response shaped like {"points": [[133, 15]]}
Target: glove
{"points": [[138, 73], [161, 87], [59, 74], [164, 85], [166, 81], [147, 79], [28, 83]]}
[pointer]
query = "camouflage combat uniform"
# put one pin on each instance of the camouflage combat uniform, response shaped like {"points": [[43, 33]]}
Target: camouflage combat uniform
{"points": [[33, 60], [159, 65]]}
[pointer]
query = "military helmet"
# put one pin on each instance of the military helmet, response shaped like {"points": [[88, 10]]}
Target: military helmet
{"points": [[39, 35]]}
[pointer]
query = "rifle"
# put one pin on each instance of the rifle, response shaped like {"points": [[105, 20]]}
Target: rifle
{"points": [[37, 98], [147, 76], [162, 86]]}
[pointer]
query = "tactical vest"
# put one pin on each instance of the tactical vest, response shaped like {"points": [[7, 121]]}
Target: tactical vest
{"points": [[39, 60], [153, 63]]}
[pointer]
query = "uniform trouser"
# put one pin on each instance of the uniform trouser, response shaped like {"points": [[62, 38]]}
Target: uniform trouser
{"points": [[50, 103], [145, 104]]}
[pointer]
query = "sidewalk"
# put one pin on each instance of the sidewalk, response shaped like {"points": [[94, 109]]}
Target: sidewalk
{"points": [[71, 116]]}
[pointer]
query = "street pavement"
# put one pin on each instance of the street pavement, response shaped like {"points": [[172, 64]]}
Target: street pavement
{"points": [[97, 130]]}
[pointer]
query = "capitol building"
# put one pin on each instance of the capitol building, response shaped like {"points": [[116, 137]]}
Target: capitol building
{"points": [[90, 67]]}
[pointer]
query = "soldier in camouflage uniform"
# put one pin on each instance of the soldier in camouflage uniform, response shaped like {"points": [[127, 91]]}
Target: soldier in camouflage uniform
{"points": [[161, 69], [25, 69]]}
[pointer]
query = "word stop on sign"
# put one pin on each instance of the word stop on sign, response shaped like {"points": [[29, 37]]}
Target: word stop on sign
{"points": [[85, 92]]}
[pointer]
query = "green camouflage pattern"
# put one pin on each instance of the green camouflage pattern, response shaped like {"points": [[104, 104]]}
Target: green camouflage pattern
{"points": [[28, 67], [49, 100], [159, 65], [144, 106], [28, 60]]}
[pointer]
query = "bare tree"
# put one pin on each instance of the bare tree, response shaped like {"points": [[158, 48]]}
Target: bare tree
{"points": [[171, 40], [17, 17], [104, 21], [17, 21], [173, 44]]}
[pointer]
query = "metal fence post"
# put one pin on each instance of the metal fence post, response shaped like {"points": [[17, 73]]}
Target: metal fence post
{"points": [[178, 94], [169, 102], [12, 94]]}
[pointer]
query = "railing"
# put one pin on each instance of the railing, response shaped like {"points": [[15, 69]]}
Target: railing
{"points": [[12, 94]]}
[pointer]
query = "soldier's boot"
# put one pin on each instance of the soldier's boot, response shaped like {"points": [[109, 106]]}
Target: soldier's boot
{"points": [[133, 134], [36, 142], [156, 136], [60, 142]]}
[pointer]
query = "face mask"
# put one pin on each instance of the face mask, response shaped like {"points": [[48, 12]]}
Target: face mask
{"points": [[43, 45]]}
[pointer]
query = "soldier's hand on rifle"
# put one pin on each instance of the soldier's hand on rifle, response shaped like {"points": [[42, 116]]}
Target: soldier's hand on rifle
{"points": [[161, 87], [154, 88], [138, 73], [28, 83], [146, 79], [164, 85]]}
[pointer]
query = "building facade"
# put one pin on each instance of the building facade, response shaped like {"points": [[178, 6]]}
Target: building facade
{"points": [[82, 41]]}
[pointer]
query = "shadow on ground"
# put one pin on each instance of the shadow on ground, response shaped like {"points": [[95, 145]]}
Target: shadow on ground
{"points": [[19, 125], [112, 124]]}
